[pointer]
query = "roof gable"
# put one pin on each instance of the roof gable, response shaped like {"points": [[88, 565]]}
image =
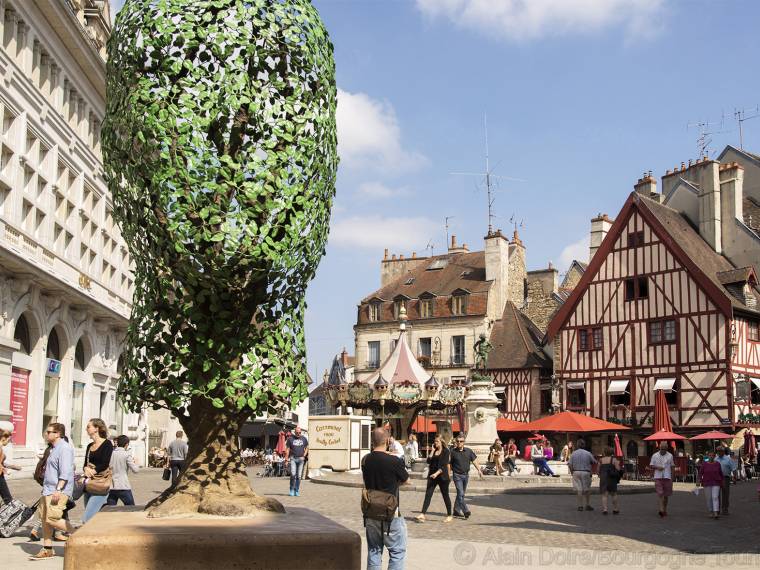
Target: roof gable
{"points": [[666, 224], [516, 342]]}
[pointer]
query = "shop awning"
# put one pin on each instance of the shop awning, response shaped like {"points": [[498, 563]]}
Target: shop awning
{"points": [[755, 381], [576, 385], [664, 384], [617, 387]]}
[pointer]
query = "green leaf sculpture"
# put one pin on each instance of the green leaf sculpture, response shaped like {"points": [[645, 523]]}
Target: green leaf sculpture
{"points": [[219, 146]]}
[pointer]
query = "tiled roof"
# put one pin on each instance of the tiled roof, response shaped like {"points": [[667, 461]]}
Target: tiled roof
{"points": [[462, 271], [751, 214], [696, 248], [516, 342]]}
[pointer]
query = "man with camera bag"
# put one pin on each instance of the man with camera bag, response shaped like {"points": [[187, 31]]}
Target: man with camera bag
{"points": [[384, 525]]}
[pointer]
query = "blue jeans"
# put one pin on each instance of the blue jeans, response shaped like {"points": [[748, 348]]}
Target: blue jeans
{"points": [[296, 472], [124, 494], [92, 504], [543, 467], [378, 537], [460, 482]]}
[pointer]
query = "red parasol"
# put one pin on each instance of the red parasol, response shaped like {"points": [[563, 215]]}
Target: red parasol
{"points": [[424, 425], [711, 435], [572, 422], [618, 449], [280, 448], [750, 445], [661, 413], [664, 435], [505, 424]]}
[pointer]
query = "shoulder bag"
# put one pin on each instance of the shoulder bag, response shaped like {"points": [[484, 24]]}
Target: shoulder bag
{"points": [[100, 483]]}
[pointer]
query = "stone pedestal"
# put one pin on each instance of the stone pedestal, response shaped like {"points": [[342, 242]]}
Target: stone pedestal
{"points": [[482, 412], [126, 539]]}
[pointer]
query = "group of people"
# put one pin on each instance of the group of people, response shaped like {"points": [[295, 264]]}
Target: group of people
{"points": [[103, 480]]}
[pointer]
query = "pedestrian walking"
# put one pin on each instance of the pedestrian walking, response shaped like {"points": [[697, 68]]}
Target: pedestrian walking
{"points": [[580, 465], [711, 479], [39, 477], [296, 450], [610, 473], [122, 463], [726, 468], [383, 524], [662, 463], [97, 462], [5, 437], [176, 455], [461, 459], [439, 466], [57, 487]]}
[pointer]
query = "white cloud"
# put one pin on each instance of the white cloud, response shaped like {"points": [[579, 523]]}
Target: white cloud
{"points": [[522, 20], [379, 191], [577, 250], [369, 135], [378, 232]]}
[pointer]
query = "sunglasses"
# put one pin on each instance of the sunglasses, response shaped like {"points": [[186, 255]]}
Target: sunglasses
{"points": [[51, 431]]}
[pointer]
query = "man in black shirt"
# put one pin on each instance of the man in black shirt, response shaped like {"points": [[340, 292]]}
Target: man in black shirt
{"points": [[461, 457], [384, 472]]}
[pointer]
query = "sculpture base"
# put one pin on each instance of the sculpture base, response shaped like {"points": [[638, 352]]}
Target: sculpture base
{"points": [[126, 539]]}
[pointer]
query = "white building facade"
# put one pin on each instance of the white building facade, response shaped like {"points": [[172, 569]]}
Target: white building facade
{"points": [[65, 278]]}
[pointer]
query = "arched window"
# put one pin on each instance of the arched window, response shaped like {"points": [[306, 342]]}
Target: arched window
{"points": [[53, 346], [21, 335], [80, 362]]}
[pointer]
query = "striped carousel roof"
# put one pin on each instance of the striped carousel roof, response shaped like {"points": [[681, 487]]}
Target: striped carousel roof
{"points": [[401, 366]]}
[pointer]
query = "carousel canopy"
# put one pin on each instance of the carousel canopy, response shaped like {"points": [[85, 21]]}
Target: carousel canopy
{"points": [[401, 367]]}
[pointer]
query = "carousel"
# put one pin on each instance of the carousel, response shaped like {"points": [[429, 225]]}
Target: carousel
{"points": [[401, 389]]}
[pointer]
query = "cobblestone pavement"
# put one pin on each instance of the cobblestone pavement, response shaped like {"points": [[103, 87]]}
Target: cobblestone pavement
{"points": [[505, 527]]}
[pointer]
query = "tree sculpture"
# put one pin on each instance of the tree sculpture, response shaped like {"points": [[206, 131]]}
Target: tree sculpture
{"points": [[219, 146]]}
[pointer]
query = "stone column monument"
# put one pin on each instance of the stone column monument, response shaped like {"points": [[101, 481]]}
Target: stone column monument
{"points": [[481, 404]]}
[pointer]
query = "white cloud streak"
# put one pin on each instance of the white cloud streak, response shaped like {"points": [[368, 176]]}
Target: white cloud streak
{"points": [[525, 20], [379, 191], [369, 135], [378, 232], [577, 250]]}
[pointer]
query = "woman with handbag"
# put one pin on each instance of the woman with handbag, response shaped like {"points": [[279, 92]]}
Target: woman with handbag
{"points": [[610, 473], [97, 470]]}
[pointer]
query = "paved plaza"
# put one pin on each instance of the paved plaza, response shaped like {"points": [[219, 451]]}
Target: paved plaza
{"points": [[509, 530]]}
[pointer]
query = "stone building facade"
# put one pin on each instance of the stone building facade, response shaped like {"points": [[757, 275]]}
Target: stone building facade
{"points": [[65, 277]]}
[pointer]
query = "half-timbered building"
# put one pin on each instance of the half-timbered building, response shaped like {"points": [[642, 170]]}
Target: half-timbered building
{"points": [[663, 306]]}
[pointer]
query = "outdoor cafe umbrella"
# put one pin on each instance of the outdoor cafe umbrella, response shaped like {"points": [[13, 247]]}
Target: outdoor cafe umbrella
{"points": [[750, 445], [711, 435], [572, 422], [618, 449], [664, 435], [280, 448]]}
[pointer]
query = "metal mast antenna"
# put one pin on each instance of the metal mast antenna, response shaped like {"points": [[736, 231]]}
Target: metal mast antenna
{"points": [[489, 178], [446, 223], [741, 115]]}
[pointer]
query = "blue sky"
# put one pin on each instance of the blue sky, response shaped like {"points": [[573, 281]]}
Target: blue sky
{"points": [[582, 96]]}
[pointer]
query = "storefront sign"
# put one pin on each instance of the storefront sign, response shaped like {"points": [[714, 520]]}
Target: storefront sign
{"points": [[328, 435], [19, 403], [53, 367]]}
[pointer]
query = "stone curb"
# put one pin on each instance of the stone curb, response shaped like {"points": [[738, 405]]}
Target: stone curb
{"points": [[471, 490]]}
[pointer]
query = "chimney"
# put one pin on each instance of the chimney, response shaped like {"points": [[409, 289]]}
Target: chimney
{"points": [[646, 185], [731, 177], [599, 228], [344, 357], [497, 270], [706, 176], [385, 257], [454, 248]]}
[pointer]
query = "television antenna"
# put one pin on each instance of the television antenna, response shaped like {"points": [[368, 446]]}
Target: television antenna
{"points": [[489, 177], [741, 115], [515, 223], [446, 224], [706, 130], [430, 246]]}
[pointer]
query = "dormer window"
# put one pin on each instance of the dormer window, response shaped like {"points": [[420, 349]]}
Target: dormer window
{"points": [[399, 302], [427, 305], [459, 302], [375, 309]]}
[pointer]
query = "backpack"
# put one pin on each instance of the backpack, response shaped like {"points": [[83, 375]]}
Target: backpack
{"points": [[39, 471], [13, 515]]}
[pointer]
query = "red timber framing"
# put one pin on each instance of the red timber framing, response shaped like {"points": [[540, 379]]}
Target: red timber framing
{"points": [[521, 389], [745, 362], [677, 290]]}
